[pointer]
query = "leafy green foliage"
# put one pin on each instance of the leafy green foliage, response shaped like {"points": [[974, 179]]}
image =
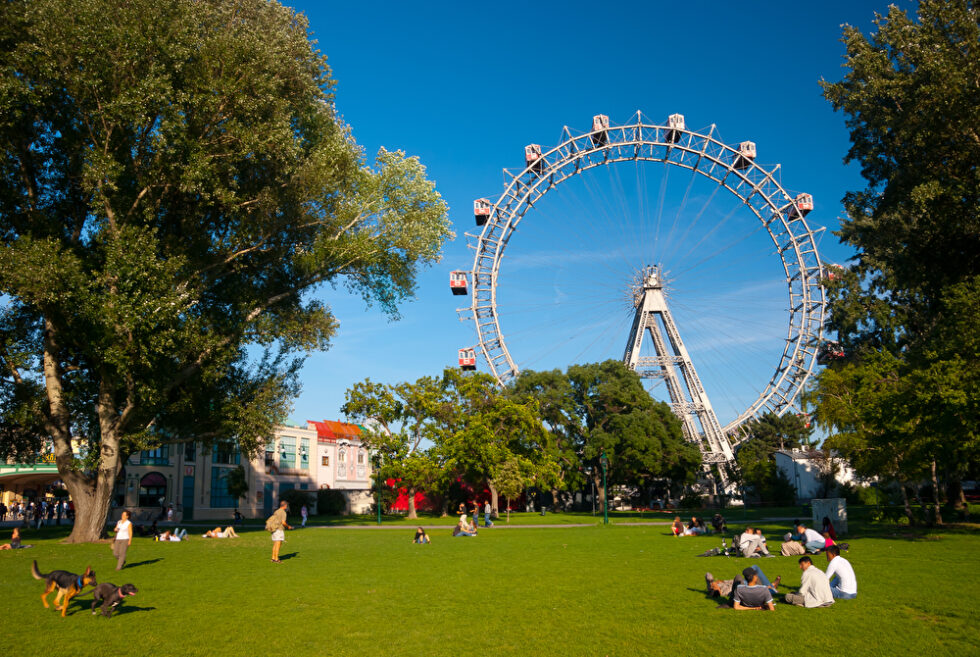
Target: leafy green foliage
{"points": [[330, 502], [903, 402], [169, 200], [237, 482], [296, 498]]}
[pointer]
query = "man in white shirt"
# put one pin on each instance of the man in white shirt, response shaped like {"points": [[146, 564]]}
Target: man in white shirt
{"points": [[814, 587], [750, 544], [839, 569], [813, 540]]}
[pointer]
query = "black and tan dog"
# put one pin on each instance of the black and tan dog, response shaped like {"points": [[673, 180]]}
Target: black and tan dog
{"points": [[110, 595], [68, 584]]}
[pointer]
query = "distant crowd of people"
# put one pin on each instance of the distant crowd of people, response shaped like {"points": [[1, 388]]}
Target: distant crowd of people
{"points": [[38, 514]]}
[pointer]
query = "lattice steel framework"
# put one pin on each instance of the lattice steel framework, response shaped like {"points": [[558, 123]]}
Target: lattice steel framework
{"points": [[782, 216]]}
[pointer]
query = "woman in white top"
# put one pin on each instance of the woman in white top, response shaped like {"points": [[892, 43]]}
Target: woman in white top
{"points": [[124, 536]]}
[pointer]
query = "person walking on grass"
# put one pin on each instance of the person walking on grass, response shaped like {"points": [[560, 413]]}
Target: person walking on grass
{"points": [[124, 536], [304, 513], [277, 525]]}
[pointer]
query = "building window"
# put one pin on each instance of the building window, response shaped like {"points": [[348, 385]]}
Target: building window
{"points": [[324, 460], [220, 497], [153, 486], [287, 452], [360, 458], [226, 453], [190, 451], [158, 456], [270, 454], [304, 454]]}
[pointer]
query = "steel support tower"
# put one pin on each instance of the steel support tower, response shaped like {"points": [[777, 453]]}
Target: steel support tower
{"points": [[690, 403]]}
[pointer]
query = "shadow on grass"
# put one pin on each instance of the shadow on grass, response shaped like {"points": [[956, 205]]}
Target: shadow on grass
{"points": [[147, 562], [127, 609], [291, 555]]}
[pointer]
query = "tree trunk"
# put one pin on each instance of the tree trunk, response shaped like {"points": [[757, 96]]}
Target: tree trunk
{"points": [[600, 491], [92, 504], [445, 506], [411, 504], [508, 509], [938, 514], [954, 494], [905, 501], [494, 499]]}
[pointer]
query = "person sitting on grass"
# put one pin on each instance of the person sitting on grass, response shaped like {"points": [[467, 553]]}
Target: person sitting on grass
{"points": [[750, 544], [421, 537], [695, 527], [754, 595], [789, 547], [813, 540], [678, 526], [828, 528], [15, 543], [173, 536], [727, 587], [228, 532], [814, 587], [718, 522], [463, 527], [840, 574]]}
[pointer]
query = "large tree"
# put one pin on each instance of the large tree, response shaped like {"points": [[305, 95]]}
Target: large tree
{"points": [[911, 97], [756, 455], [174, 184]]}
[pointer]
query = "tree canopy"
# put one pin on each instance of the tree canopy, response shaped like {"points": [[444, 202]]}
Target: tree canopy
{"points": [[904, 399], [169, 199]]}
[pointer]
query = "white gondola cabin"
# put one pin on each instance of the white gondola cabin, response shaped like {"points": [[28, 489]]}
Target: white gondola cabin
{"points": [[802, 206], [481, 210], [600, 129], [467, 359], [457, 282], [532, 157], [675, 123], [745, 156]]}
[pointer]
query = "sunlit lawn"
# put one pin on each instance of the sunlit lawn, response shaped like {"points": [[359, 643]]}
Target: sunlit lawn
{"points": [[617, 590]]}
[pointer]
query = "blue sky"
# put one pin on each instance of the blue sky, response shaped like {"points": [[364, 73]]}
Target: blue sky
{"points": [[465, 86]]}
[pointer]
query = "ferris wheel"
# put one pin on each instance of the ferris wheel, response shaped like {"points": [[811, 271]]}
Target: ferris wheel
{"points": [[777, 217]]}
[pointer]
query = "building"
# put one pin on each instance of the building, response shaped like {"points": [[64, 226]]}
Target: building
{"points": [[194, 479], [805, 469]]}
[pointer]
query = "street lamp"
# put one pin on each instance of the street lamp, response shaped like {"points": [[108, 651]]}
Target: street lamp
{"points": [[604, 462], [377, 475]]}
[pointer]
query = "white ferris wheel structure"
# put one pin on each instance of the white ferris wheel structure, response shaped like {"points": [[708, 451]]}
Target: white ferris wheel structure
{"points": [[654, 345]]}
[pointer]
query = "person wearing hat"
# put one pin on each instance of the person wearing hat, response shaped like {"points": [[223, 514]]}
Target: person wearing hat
{"points": [[790, 547]]}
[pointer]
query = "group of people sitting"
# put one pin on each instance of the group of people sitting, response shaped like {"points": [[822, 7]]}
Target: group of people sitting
{"points": [[464, 527], [753, 590], [804, 539], [696, 526]]}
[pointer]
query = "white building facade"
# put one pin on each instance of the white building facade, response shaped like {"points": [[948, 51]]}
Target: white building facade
{"points": [[804, 469]]}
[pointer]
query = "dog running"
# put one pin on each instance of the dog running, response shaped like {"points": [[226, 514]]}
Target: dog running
{"points": [[110, 595], [68, 584]]}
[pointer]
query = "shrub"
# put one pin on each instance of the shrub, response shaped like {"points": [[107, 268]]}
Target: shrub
{"points": [[691, 501], [296, 499], [330, 502]]}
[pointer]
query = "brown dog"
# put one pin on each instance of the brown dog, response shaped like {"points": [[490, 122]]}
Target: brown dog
{"points": [[68, 584]]}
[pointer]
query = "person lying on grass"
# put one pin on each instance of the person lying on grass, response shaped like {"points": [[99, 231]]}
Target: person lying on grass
{"points": [[217, 532], [173, 536]]}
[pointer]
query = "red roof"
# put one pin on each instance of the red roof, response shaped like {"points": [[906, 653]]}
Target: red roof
{"points": [[330, 431]]}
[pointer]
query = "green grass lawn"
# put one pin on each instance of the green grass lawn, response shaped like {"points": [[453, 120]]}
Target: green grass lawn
{"points": [[617, 590]]}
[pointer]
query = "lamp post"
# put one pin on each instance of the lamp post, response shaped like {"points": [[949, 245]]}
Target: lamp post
{"points": [[605, 491], [377, 475]]}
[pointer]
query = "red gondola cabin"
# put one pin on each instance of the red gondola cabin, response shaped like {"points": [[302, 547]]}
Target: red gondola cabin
{"points": [[457, 282], [802, 206], [481, 210], [532, 157], [467, 359], [745, 156]]}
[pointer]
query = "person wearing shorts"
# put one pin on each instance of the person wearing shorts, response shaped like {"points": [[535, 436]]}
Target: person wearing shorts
{"points": [[279, 534]]}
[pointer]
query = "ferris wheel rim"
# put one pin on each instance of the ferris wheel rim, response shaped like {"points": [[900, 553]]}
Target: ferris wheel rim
{"points": [[750, 182]]}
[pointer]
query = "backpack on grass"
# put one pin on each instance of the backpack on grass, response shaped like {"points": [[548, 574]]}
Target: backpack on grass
{"points": [[272, 523]]}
